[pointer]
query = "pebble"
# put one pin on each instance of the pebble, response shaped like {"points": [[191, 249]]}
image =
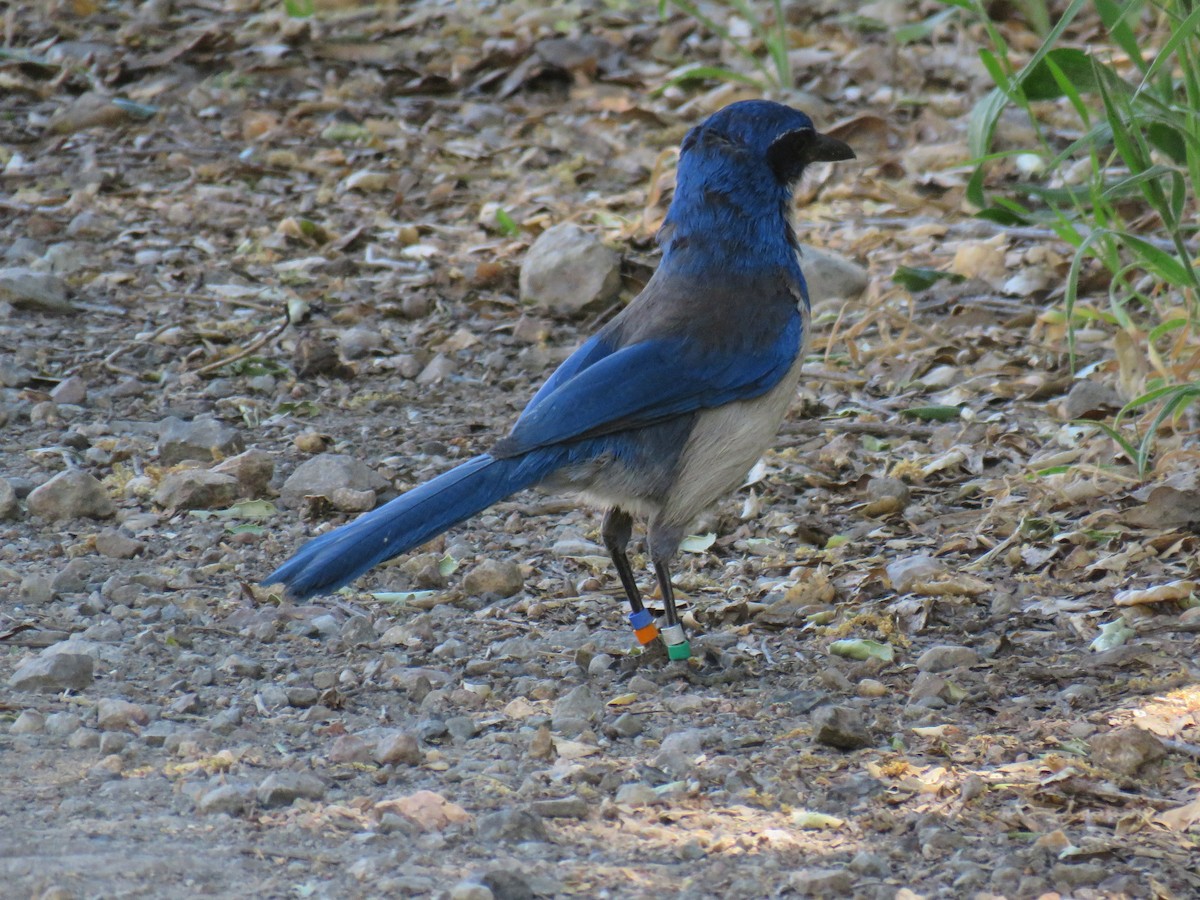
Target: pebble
{"points": [[36, 590], [63, 723], [73, 577], [115, 715], [1126, 750], [678, 751], [471, 890], [821, 882], [358, 630], [355, 343], [27, 288], [349, 748], [574, 712], [627, 725], [196, 489], [28, 722], [242, 666], [282, 788], [398, 748], [57, 672], [302, 697], [840, 727], [204, 439], [10, 506], [567, 270], [322, 475], [869, 864], [116, 544], [113, 742], [870, 688], [253, 470], [501, 578], [226, 721], [513, 824], [352, 501], [73, 494], [946, 656], [437, 369], [830, 275], [232, 799], [636, 794], [905, 574], [561, 808], [83, 739]]}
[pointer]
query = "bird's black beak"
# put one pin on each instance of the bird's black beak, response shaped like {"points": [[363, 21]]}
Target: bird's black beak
{"points": [[823, 148], [792, 152]]}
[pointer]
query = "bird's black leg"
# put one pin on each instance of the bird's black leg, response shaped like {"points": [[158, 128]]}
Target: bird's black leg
{"points": [[664, 542], [616, 531]]}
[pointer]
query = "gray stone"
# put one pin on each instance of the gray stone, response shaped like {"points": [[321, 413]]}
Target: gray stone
{"points": [[36, 590], [57, 672], [355, 343], [196, 489], [575, 711], [830, 276], [501, 578], [679, 750], [30, 721], [821, 882], [905, 574], [1089, 399], [437, 369], [322, 475], [204, 439], [358, 630], [116, 715], [27, 288], [398, 748], [72, 494], [232, 799], [1126, 750], [253, 470], [561, 808], [282, 788], [568, 270], [115, 544], [946, 656], [10, 507], [73, 577], [840, 727], [514, 824], [471, 890], [71, 390], [63, 723], [636, 794]]}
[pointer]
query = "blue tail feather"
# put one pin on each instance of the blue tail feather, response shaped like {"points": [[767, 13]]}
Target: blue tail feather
{"points": [[336, 558]]}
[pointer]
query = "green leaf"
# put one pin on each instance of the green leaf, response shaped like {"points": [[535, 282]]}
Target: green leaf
{"points": [[1075, 65], [402, 596], [919, 279], [1112, 635], [933, 413], [299, 9], [447, 566], [861, 649], [919, 31], [506, 224]]}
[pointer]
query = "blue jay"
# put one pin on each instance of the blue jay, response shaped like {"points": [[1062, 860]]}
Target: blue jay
{"points": [[667, 407]]}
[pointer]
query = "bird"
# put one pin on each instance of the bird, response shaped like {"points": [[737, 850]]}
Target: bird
{"points": [[667, 406]]}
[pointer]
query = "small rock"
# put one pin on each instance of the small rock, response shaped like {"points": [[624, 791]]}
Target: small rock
{"points": [[568, 270], [115, 544], [471, 890], [398, 748], [62, 724], [830, 276], [196, 489], [349, 748], [29, 289], [885, 496], [72, 390], [628, 725], [226, 721], [108, 768], [73, 494], [232, 799], [905, 574], [840, 727], [302, 697], [871, 688], [1073, 876], [242, 666], [57, 672], [513, 824], [575, 711], [822, 882], [10, 507], [352, 501], [322, 475], [113, 742], [501, 578], [946, 656], [204, 439], [73, 577], [115, 715], [869, 864], [561, 808], [636, 794], [1126, 750], [506, 884], [678, 752], [36, 590], [355, 343], [253, 470], [28, 722], [282, 788], [358, 630], [437, 369]]}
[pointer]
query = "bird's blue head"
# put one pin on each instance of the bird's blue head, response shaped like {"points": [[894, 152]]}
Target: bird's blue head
{"points": [[733, 188]]}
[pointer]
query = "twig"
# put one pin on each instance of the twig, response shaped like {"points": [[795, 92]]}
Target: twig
{"points": [[109, 361], [249, 348]]}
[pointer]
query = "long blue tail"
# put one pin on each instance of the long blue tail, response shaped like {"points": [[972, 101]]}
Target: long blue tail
{"points": [[333, 560]]}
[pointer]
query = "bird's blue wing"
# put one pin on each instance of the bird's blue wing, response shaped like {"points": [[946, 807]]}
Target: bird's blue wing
{"points": [[593, 349], [644, 383]]}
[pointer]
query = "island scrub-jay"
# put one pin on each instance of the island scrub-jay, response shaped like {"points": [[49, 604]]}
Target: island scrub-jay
{"points": [[668, 406]]}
